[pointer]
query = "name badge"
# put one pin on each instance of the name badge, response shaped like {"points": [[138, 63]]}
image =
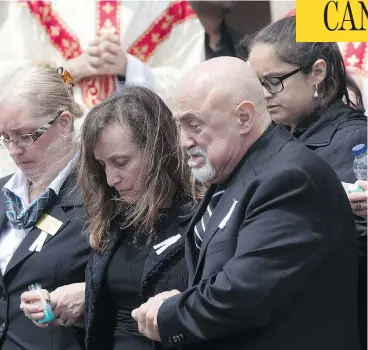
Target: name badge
{"points": [[48, 224]]}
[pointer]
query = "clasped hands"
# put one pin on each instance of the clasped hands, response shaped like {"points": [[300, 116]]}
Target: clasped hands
{"points": [[146, 315], [104, 56], [67, 303]]}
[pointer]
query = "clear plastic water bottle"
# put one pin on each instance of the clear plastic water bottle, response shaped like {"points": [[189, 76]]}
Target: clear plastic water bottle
{"points": [[359, 167], [360, 161]]}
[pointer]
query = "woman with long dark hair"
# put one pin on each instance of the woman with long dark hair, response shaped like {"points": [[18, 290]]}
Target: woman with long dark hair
{"points": [[138, 196]]}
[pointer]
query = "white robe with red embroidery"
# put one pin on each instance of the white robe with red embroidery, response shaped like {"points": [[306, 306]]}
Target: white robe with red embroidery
{"points": [[357, 66], [23, 40]]}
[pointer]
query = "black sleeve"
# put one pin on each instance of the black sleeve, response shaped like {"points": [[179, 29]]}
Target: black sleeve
{"points": [[272, 262]]}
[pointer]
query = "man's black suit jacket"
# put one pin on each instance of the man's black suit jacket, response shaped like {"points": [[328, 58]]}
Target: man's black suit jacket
{"points": [[282, 272]]}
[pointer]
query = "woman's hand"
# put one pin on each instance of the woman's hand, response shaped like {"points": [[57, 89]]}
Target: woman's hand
{"points": [[358, 200], [67, 303], [32, 307]]}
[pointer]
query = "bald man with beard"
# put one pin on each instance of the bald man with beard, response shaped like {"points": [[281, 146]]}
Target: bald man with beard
{"points": [[271, 260]]}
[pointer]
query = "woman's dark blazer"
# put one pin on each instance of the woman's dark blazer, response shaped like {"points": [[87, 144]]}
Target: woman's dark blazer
{"points": [[61, 261], [162, 272]]}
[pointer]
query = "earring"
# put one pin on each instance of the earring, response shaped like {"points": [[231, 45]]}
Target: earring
{"points": [[315, 95]]}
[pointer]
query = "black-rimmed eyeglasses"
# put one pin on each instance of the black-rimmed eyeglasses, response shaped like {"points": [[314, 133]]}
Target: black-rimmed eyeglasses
{"points": [[27, 139], [275, 84]]}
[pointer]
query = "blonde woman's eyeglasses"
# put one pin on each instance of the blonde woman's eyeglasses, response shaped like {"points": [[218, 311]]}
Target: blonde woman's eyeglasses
{"points": [[28, 139]]}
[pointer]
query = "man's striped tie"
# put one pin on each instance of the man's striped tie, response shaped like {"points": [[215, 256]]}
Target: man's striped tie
{"points": [[200, 227]]}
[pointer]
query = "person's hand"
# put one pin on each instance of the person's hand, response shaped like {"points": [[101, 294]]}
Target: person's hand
{"points": [[83, 66], [146, 315], [67, 303], [32, 307], [108, 57], [358, 200], [104, 56]]}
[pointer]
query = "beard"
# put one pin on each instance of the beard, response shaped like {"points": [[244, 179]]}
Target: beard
{"points": [[205, 173]]}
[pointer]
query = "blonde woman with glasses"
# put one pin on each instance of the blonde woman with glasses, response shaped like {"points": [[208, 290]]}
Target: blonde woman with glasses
{"points": [[41, 212]]}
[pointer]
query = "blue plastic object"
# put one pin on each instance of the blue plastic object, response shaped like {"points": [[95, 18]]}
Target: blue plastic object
{"points": [[49, 315]]}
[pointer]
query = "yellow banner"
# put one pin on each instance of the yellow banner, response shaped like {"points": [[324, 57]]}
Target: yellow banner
{"points": [[332, 21]]}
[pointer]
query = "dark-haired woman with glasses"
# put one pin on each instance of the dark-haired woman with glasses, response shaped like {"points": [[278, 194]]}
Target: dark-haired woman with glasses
{"points": [[41, 212], [307, 89]]}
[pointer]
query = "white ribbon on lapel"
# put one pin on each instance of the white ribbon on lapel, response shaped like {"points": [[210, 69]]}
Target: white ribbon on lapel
{"points": [[228, 215], [39, 242], [159, 248]]}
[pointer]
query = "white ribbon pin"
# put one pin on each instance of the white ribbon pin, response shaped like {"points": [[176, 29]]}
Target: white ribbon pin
{"points": [[228, 215], [159, 248], [39, 242], [48, 226]]}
